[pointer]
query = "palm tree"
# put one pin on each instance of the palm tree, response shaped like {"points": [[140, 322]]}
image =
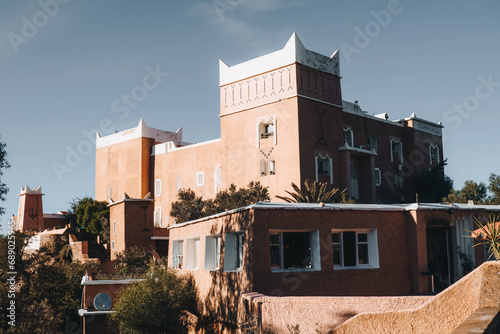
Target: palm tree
{"points": [[315, 192]]}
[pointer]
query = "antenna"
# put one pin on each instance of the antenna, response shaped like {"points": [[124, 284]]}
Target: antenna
{"points": [[102, 302]]}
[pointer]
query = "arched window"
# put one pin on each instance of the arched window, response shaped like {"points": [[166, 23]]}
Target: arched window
{"points": [[324, 169]]}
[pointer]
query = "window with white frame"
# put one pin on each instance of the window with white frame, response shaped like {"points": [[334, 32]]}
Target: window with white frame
{"points": [[212, 252], [398, 181], [200, 178], [110, 193], [348, 137], [114, 226], [272, 167], [266, 128], [378, 177], [355, 249], [372, 143], [218, 179], [113, 245], [157, 217], [192, 253], [234, 251], [434, 154], [263, 167], [294, 250], [157, 187], [178, 254], [396, 150], [324, 170]]}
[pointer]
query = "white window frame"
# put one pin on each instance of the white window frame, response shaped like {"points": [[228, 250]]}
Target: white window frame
{"points": [[193, 253], [112, 245], [263, 167], [157, 187], [263, 127], [378, 177], [234, 251], [114, 226], [436, 149], [315, 250], [372, 242], [351, 134], [398, 180], [198, 175], [178, 254], [110, 193], [212, 252], [217, 179], [329, 162], [393, 142], [272, 167], [157, 217]]}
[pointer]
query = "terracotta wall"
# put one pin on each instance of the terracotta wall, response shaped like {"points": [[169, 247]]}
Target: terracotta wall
{"points": [[218, 289], [441, 314], [391, 279]]}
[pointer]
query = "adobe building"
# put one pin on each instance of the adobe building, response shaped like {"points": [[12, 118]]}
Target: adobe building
{"points": [[283, 120], [30, 215], [325, 250]]}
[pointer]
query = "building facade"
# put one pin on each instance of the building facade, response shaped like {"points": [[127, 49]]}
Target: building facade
{"points": [[283, 120]]}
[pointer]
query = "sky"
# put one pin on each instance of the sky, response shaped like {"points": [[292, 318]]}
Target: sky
{"points": [[66, 68]]}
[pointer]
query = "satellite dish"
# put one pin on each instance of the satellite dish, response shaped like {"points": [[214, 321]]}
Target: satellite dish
{"points": [[102, 302]]}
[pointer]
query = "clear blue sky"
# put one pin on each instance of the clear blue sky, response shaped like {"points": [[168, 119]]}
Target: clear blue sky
{"points": [[434, 58]]}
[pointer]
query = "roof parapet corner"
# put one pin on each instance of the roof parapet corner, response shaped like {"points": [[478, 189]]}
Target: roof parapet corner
{"points": [[179, 134], [148, 196], [125, 196]]}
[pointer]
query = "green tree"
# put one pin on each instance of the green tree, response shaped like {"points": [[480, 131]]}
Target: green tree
{"points": [[133, 260], [432, 185], [314, 192], [471, 191], [158, 304], [49, 289], [4, 164], [494, 188], [190, 207], [89, 214]]}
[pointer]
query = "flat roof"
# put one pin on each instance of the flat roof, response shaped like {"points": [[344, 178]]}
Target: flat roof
{"points": [[351, 207]]}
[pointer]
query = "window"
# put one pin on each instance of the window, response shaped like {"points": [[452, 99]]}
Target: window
{"points": [[294, 250], [192, 253], [212, 252], [324, 168], [348, 137], [396, 150], [157, 187], [434, 154], [398, 181], [234, 251], [355, 249], [110, 192], [157, 217], [200, 178], [114, 226], [218, 179], [378, 177], [266, 128], [113, 245], [178, 254], [372, 143], [272, 167], [263, 170]]}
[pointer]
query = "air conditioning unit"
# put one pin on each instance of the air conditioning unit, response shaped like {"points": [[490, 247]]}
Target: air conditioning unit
{"points": [[400, 168]]}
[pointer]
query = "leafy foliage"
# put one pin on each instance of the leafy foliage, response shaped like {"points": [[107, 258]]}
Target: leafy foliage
{"points": [[158, 304], [432, 185], [89, 214], [133, 260], [315, 192], [494, 189], [49, 291], [489, 235], [471, 191], [4, 164], [190, 207]]}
